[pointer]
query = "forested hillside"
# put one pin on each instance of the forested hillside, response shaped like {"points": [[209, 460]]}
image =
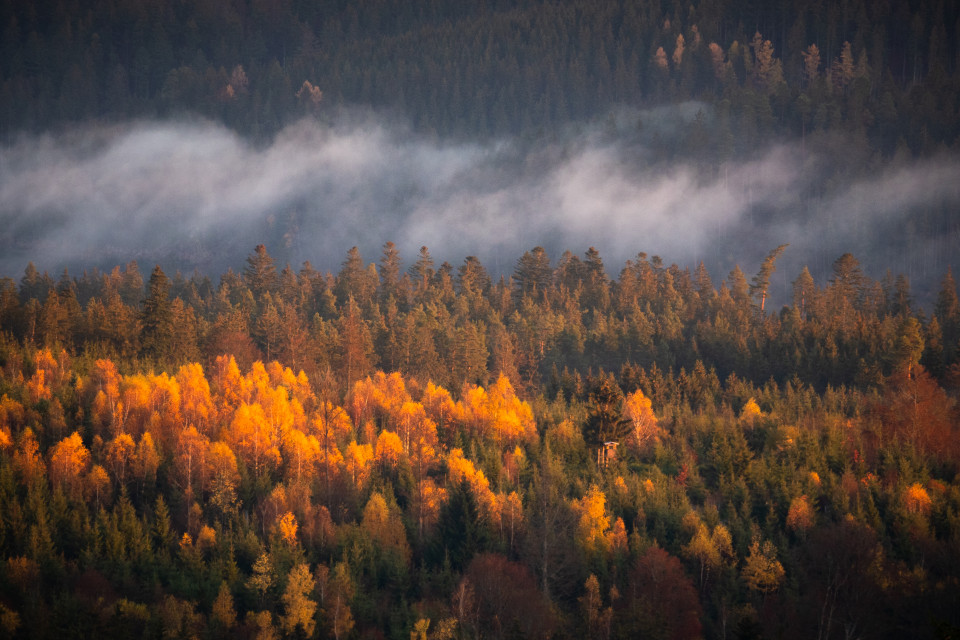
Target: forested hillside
{"points": [[541, 445], [886, 72], [391, 452]]}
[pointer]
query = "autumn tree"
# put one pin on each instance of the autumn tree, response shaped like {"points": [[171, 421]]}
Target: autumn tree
{"points": [[262, 578], [644, 430], [145, 462], [223, 611], [298, 607], [710, 550], [383, 524], [190, 460], [916, 410], [800, 516], [69, 460], [598, 619], [339, 594], [27, 462], [248, 434], [761, 570], [196, 404], [508, 598], [660, 599], [594, 522]]}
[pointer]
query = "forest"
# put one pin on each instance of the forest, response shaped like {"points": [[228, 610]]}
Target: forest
{"points": [[547, 447], [885, 72], [425, 451]]}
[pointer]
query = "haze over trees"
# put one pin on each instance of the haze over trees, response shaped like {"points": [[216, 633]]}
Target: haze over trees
{"points": [[417, 455], [857, 94]]}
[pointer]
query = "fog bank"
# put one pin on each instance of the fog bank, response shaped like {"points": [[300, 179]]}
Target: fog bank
{"points": [[195, 195]]}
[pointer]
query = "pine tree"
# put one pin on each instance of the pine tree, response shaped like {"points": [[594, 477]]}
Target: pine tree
{"points": [[260, 274], [533, 273], [761, 281], [156, 317], [461, 532], [355, 280], [389, 271], [804, 291], [605, 421], [422, 273]]}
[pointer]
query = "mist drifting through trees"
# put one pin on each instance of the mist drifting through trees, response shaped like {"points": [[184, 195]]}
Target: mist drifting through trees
{"points": [[431, 320], [191, 196]]}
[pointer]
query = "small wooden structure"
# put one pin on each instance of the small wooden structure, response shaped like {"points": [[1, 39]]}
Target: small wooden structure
{"points": [[606, 454]]}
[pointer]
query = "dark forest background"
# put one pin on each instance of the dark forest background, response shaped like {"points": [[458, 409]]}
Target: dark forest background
{"points": [[882, 71]]}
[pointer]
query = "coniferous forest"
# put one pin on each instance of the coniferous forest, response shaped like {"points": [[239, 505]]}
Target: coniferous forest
{"points": [[419, 451], [884, 72], [394, 446]]}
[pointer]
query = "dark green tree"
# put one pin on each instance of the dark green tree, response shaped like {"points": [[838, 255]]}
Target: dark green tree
{"points": [[156, 317], [461, 532], [605, 420]]}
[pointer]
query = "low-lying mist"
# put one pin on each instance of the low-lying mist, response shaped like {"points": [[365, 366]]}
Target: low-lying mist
{"points": [[195, 195]]}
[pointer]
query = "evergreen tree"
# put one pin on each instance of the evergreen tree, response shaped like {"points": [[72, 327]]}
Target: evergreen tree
{"points": [[260, 274], [156, 317], [606, 421], [461, 531], [533, 272], [761, 281]]}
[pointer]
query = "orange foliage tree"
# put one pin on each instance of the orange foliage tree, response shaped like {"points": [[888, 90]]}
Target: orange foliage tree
{"points": [[196, 403], [69, 461], [644, 430], [249, 436], [915, 410], [593, 521]]}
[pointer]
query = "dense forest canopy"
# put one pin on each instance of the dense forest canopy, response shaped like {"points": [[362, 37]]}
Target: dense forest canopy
{"points": [[886, 70], [418, 451], [472, 425]]}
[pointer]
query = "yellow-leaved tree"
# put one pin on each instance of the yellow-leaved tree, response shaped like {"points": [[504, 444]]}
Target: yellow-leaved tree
{"points": [[594, 523], [710, 550], [762, 571], [644, 430], [298, 608], [383, 524]]}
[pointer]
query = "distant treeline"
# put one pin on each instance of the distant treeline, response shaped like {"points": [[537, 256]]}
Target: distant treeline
{"points": [[885, 72]]}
